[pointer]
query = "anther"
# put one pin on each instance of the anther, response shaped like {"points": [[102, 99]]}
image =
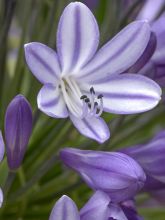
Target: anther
{"points": [[95, 104], [100, 96], [83, 97], [87, 100], [92, 90]]}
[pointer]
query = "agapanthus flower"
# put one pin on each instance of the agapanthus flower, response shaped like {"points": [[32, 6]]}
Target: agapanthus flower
{"points": [[81, 82], [18, 127], [117, 174], [2, 149]]}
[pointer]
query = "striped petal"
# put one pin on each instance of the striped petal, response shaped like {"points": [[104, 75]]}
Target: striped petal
{"points": [[77, 37], [128, 93], [2, 147], [94, 128], [118, 54], [43, 62], [1, 197], [64, 209], [51, 102]]}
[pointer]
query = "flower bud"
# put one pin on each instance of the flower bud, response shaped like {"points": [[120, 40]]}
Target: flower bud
{"points": [[18, 127], [64, 209], [116, 174]]}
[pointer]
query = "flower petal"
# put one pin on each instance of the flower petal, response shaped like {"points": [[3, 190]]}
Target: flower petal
{"points": [[144, 59], [94, 128], [127, 93], [2, 147], [96, 208], [1, 197], [64, 209], [77, 37], [150, 10], [51, 102], [43, 62], [118, 54]]}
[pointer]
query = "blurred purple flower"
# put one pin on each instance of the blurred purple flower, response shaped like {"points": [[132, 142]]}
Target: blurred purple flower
{"points": [[18, 127], [116, 174], [155, 68], [2, 149], [151, 157], [82, 83]]}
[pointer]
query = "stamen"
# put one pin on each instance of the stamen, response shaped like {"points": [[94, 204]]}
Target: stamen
{"points": [[92, 91], [91, 107], [83, 97]]}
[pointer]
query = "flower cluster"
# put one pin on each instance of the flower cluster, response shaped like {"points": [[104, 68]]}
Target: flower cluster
{"points": [[82, 81]]}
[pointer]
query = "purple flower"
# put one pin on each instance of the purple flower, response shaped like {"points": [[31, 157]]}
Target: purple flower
{"points": [[18, 127], [155, 68], [64, 209], [116, 174], [1, 158], [95, 209], [99, 207], [81, 82], [151, 157]]}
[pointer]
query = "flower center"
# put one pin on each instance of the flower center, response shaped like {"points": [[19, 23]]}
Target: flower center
{"points": [[81, 106]]}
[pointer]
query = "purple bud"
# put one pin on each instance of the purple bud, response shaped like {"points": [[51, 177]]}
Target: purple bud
{"points": [[64, 209], [18, 127], [1, 197], [116, 174], [97, 208], [92, 4]]}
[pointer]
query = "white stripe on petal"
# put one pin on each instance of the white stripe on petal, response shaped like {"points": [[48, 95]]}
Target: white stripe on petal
{"points": [[77, 37], [51, 102], [118, 54], [92, 127], [128, 93], [43, 62]]}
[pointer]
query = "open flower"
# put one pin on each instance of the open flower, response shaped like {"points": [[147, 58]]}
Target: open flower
{"points": [[80, 83], [2, 149]]}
